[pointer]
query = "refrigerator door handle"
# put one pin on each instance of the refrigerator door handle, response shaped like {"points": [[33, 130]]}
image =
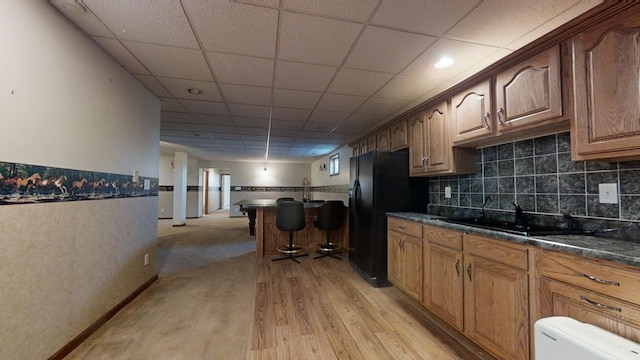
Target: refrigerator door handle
{"points": [[356, 188]]}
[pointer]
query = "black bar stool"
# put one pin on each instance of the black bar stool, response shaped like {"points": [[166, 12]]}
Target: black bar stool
{"points": [[290, 217], [330, 218]]}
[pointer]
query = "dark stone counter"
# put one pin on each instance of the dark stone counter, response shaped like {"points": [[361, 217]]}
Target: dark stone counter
{"points": [[620, 251]]}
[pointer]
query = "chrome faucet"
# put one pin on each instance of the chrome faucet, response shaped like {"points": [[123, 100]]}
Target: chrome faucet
{"points": [[519, 219], [486, 200]]}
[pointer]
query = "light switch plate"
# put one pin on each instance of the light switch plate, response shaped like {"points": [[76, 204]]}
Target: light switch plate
{"points": [[447, 192], [608, 193]]}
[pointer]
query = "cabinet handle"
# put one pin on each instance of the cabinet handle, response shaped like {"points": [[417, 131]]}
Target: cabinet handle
{"points": [[501, 111], [469, 271], [486, 118], [604, 282], [402, 227], [458, 267], [595, 303]]}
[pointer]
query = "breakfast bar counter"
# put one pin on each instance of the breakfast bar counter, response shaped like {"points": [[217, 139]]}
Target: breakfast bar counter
{"points": [[262, 224]]}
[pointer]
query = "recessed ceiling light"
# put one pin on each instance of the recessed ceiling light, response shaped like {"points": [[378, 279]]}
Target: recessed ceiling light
{"points": [[195, 91], [444, 63]]}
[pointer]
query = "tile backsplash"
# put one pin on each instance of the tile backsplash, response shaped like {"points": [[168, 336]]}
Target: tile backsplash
{"points": [[538, 174]]}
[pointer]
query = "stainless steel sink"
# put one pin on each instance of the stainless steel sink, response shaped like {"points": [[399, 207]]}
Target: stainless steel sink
{"points": [[513, 228]]}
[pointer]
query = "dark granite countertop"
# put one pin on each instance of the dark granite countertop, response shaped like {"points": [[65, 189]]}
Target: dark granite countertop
{"points": [[620, 251]]}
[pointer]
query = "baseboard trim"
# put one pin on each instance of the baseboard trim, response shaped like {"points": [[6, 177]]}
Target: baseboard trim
{"points": [[65, 350]]}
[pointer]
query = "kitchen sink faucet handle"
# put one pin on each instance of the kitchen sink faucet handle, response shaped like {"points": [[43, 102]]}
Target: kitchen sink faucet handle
{"points": [[519, 218]]}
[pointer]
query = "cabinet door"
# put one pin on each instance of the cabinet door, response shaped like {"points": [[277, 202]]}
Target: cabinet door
{"points": [[417, 141], [363, 147], [607, 90], [438, 145], [398, 135], [382, 140], [471, 114], [443, 283], [395, 267], [619, 317], [371, 142], [529, 92], [412, 248], [496, 307]]}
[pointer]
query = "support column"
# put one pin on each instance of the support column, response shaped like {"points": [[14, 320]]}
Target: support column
{"points": [[180, 189]]}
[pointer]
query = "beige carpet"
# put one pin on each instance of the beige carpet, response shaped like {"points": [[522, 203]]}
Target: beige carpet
{"points": [[201, 307]]}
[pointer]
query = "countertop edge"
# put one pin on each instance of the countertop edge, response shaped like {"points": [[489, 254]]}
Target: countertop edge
{"points": [[619, 251]]}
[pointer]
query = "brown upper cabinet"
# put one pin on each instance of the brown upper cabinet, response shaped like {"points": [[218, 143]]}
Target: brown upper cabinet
{"points": [[607, 90], [528, 97], [371, 143], [398, 135], [382, 140], [471, 114], [430, 150], [529, 92]]}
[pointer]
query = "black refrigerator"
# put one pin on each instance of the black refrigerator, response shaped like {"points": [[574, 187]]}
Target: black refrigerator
{"points": [[380, 183]]}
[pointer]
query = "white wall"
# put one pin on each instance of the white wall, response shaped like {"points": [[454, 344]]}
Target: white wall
{"points": [[322, 178], [253, 174], [65, 103]]}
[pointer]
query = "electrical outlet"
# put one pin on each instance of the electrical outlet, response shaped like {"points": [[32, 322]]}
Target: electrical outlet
{"points": [[608, 193], [161, 210], [447, 192], [146, 259]]}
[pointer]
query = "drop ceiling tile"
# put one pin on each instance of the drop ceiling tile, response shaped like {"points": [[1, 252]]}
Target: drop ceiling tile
{"points": [[573, 12], [85, 20], [285, 124], [315, 40], [153, 85], [338, 102], [244, 110], [320, 127], [290, 114], [352, 128], [204, 107], [358, 82], [212, 119], [121, 55], [270, 3], [243, 70], [463, 53], [160, 22], [242, 94], [298, 76], [348, 10], [234, 28], [387, 50], [363, 119], [170, 104], [251, 133], [251, 122], [171, 116], [404, 87], [519, 17], [286, 132], [295, 98], [432, 17], [171, 61], [332, 117], [381, 106], [179, 89]]}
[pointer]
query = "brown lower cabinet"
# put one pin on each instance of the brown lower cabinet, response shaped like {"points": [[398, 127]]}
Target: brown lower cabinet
{"points": [[480, 287], [492, 291]]}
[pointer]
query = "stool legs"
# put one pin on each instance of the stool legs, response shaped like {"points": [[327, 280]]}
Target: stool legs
{"points": [[329, 249], [290, 252]]}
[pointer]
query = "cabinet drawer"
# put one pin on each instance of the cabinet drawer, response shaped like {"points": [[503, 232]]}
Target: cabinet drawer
{"points": [[614, 315], [437, 235], [592, 275], [405, 226], [499, 251]]}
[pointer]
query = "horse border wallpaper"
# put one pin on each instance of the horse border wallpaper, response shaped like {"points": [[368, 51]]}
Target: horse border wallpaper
{"points": [[33, 184]]}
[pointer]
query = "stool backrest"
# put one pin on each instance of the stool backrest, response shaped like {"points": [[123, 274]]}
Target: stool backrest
{"points": [[330, 215], [279, 200], [290, 216]]}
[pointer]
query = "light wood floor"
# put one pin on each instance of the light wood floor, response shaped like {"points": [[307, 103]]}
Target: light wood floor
{"points": [[322, 309]]}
